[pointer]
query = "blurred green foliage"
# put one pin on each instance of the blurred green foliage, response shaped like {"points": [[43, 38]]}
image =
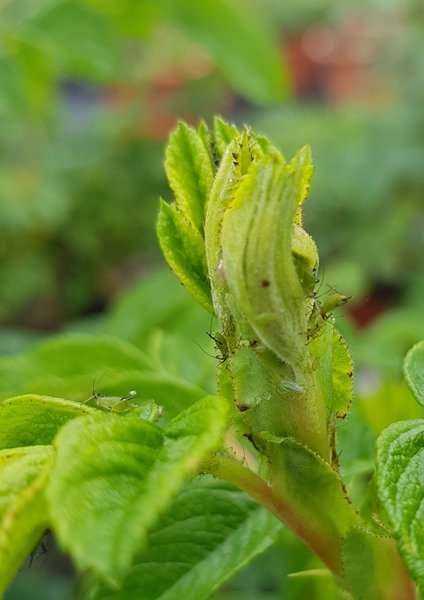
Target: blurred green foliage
{"points": [[83, 94]]}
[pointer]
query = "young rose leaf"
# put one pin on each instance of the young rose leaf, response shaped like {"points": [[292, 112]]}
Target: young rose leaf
{"points": [[342, 375], [32, 420], [190, 172], [184, 250], [23, 508], [211, 531], [414, 371], [257, 254], [334, 368], [374, 568], [115, 476], [223, 133], [400, 466]]}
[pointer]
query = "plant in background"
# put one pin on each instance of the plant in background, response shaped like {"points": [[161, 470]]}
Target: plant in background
{"points": [[81, 101], [116, 487]]}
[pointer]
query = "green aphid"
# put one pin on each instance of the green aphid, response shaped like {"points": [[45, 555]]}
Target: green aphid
{"points": [[333, 302], [220, 345], [117, 404], [243, 156], [292, 386]]}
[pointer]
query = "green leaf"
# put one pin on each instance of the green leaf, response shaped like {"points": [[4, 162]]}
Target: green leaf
{"points": [[134, 18], [94, 50], [256, 243], [34, 420], [23, 509], [73, 354], [223, 134], [184, 250], [241, 42], [413, 368], [334, 368], [374, 568], [211, 531], [391, 402], [68, 365], [155, 301], [400, 460], [224, 185], [342, 374], [114, 476], [190, 172], [315, 491]]}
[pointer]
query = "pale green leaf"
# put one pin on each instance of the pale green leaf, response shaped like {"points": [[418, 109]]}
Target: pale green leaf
{"points": [[342, 375], [400, 482], [305, 163], [256, 243], [223, 187], [184, 250], [190, 172], [211, 531], [304, 249], [223, 133], [32, 420], [114, 476], [414, 371], [23, 509]]}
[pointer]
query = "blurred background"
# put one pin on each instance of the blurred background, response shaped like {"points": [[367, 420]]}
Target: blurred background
{"points": [[89, 91]]}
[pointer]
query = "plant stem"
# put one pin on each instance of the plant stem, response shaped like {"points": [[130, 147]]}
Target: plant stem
{"points": [[329, 551]]}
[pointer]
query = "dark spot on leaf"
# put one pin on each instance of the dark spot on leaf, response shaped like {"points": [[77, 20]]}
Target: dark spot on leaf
{"points": [[265, 283]]}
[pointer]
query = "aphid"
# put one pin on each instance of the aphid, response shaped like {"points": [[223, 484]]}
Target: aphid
{"points": [[221, 346], [292, 386], [118, 404], [333, 302], [244, 156]]}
